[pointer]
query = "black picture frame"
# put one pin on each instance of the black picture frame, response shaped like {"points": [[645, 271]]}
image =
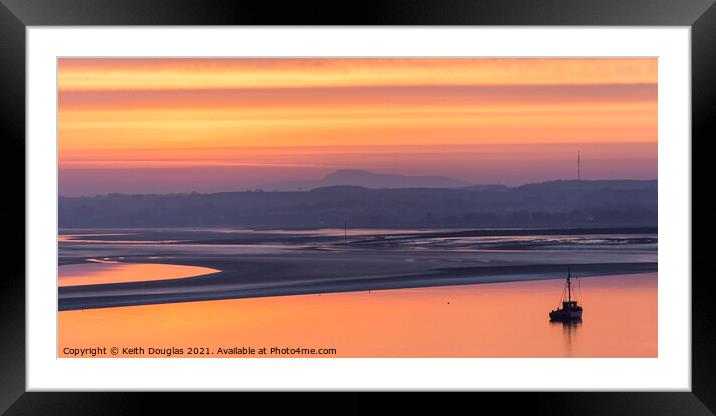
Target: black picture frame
{"points": [[16, 15]]}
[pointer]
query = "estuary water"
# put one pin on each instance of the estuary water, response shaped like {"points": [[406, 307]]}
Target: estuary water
{"points": [[480, 320]]}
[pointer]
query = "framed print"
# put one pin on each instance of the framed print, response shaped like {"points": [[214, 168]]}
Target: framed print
{"points": [[483, 198]]}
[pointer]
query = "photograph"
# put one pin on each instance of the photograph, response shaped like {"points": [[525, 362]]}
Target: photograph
{"points": [[357, 207]]}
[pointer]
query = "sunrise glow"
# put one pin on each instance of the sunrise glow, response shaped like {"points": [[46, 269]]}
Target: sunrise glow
{"points": [[181, 125]]}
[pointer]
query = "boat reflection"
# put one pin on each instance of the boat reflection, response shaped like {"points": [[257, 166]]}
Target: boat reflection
{"points": [[569, 332]]}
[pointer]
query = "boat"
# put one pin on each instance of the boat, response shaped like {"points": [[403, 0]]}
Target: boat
{"points": [[570, 310]]}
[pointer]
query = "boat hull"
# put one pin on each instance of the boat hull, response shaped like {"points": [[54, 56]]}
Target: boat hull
{"points": [[561, 315]]}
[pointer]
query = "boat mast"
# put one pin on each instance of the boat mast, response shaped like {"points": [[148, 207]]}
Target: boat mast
{"points": [[569, 284]]}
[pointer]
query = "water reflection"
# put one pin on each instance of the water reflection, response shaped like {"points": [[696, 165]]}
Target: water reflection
{"points": [[569, 328], [103, 271], [453, 321]]}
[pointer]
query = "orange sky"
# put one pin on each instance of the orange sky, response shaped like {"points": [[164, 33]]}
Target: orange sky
{"points": [[179, 125]]}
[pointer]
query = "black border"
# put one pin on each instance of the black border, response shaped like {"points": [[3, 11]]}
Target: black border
{"points": [[15, 15]]}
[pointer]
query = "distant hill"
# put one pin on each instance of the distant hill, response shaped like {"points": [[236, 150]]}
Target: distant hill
{"points": [[366, 179], [548, 204], [488, 188], [578, 185]]}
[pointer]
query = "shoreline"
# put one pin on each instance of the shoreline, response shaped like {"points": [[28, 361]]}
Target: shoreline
{"points": [[230, 284]]}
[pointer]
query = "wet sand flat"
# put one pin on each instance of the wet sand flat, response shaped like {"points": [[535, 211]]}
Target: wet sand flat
{"points": [[323, 261]]}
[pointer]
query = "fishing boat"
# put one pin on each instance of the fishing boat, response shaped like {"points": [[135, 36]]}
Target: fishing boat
{"points": [[570, 310]]}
